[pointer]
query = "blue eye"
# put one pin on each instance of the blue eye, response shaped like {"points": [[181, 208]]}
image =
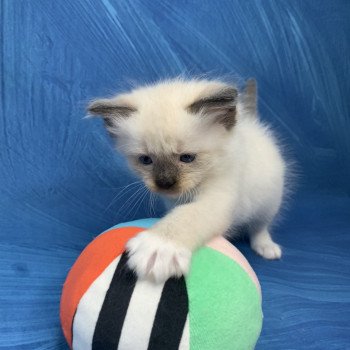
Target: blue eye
{"points": [[145, 160], [187, 158]]}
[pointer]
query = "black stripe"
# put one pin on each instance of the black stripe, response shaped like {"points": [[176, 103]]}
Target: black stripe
{"points": [[111, 318], [72, 326], [171, 316]]}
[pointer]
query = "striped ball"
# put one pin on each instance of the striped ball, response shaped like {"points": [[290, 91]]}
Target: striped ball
{"points": [[104, 306]]}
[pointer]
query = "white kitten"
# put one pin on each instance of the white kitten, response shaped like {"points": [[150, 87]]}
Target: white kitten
{"points": [[200, 145]]}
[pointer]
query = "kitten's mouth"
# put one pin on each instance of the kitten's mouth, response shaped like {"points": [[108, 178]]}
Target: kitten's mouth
{"points": [[171, 192], [175, 193]]}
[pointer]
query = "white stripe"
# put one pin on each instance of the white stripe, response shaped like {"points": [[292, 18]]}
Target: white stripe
{"points": [[185, 340], [89, 308], [140, 316]]}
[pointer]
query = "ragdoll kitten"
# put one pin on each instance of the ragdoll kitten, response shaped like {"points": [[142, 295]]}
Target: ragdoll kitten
{"points": [[200, 145]]}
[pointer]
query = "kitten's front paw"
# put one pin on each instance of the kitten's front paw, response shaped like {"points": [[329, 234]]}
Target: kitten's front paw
{"points": [[268, 250], [153, 257]]}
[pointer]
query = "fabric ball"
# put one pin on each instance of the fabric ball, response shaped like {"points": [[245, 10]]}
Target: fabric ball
{"points": [[217, 306]]}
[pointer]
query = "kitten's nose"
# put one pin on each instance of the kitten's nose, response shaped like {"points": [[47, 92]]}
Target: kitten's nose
{"points": [[165, 184]]}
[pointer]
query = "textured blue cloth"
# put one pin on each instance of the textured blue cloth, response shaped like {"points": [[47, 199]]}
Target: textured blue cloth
{"points": [[61, 184]]}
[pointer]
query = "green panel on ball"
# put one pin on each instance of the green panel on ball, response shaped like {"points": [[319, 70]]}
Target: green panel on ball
{"points": [[225, 306]]}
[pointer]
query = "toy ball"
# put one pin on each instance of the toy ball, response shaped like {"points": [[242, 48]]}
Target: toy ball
{"points": [[104, 306]]}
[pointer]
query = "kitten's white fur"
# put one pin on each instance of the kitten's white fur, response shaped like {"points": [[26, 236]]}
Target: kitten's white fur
{"points": [[241, 182]]}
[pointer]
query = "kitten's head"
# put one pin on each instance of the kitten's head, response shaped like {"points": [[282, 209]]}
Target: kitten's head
{"points": [[173, 133]]}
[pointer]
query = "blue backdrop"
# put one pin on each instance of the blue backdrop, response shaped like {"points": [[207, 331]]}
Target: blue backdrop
{"points": [[60, 180]]}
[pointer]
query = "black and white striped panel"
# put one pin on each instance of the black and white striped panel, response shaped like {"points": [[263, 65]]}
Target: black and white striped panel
{"points": [[121, 313]]}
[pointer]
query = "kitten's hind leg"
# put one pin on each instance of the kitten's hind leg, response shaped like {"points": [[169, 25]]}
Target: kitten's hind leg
{"points": [[262, 243]]}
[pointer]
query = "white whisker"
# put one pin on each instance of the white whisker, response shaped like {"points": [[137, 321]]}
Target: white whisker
{"points": [[130, 200], [124, 191]]}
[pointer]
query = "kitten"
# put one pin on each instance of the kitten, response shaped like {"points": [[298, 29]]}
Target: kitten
{"points": [[200, 145]]}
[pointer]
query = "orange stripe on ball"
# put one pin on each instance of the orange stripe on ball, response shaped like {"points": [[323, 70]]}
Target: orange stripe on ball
{"points": [[91, 263]]}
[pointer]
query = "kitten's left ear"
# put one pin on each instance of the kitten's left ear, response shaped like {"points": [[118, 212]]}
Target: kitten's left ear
{"points": [[219, 106], [111, 111]]}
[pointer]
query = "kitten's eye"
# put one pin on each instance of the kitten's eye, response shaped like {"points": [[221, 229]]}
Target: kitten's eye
{"points": [[145, 160], [187, 158]]}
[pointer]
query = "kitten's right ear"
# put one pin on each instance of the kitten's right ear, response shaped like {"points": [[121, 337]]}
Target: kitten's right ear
{"points": [[111, 111], [220, 106]]}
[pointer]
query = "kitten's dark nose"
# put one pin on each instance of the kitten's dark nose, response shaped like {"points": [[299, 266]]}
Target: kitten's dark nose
{"points": [[165, 184]]}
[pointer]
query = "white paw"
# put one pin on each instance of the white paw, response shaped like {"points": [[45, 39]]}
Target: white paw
{"points": [[268, 250], [155, 258]]}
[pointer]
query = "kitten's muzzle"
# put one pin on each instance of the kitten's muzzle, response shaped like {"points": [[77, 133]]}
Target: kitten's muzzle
{"points": [[165, 174], [165, 183]]}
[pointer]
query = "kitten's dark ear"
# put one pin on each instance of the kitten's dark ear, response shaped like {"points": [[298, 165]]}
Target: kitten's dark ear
{"points": [[219, 106], [110, 111]]}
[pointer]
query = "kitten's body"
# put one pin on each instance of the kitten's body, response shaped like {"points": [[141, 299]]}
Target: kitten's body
{"points": [[255, 169], [236, 178]]}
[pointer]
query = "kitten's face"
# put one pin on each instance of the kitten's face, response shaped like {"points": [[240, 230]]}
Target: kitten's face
{"points": [[167, 173], [172, 174], [173, 133]]}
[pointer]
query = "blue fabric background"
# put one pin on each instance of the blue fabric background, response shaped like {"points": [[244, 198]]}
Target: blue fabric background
{"points": [[59, 176]]}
